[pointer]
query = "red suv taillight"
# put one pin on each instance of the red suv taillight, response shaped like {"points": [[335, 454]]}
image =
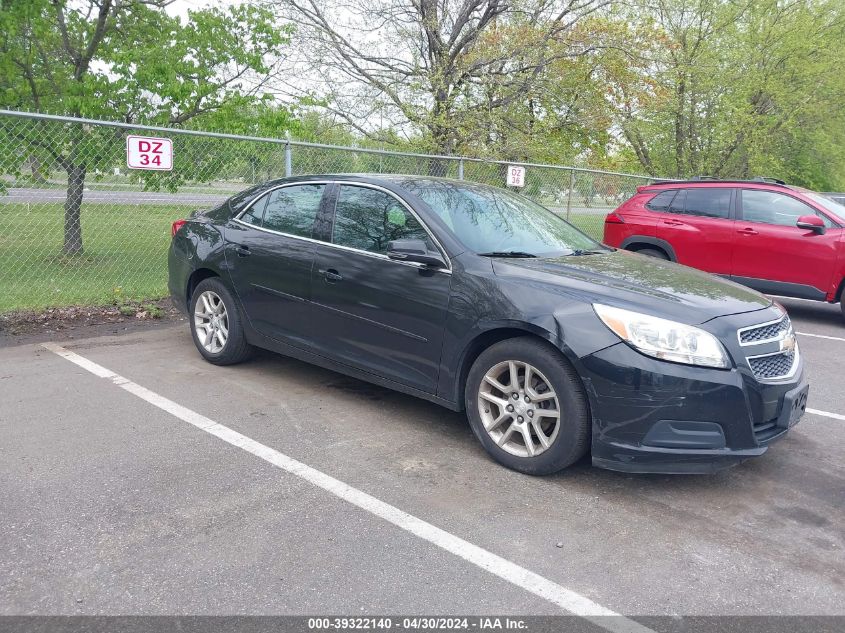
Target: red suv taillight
{"points": [[614, 218], [174, 228]]}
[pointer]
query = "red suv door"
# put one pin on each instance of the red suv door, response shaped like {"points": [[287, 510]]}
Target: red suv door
{"points": [[773, 255], [700, 227]]}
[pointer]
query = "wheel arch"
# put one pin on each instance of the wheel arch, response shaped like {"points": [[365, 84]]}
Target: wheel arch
{"points": [[637, 242], [194, 280], [496, 334], [839, 290]]}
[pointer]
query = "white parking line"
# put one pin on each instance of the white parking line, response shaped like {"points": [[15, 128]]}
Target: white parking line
{"points": [[826, 414], [565, 598], [831, 338]]}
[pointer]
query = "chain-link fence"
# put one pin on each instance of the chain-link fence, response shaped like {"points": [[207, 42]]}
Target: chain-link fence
{"points": [[79, 227]]}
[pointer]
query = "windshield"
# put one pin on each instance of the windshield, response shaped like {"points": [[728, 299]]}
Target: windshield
{"points": [[831, 205], [489, 220]]}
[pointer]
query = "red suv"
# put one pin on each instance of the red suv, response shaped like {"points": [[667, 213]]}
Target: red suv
{"points": [[778, 239]]}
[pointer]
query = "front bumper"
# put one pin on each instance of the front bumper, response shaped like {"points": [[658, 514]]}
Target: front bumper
{"points": [[651, 416]]}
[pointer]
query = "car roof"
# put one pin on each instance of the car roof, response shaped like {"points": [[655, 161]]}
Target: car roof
{"points": [[374, 179]]}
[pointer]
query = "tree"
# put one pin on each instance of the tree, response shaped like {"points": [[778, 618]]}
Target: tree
{"points": [[431, 67], [125, 60], [738, 89], [566, 114]]}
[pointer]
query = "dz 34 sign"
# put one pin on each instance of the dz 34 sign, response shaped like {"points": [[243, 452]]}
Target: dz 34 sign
{"points": [[146, 152]]}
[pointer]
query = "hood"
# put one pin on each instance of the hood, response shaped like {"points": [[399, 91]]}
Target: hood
{"points": [[635, 282]]}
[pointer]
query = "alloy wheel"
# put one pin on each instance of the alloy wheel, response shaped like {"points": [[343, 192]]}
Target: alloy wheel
{"points": [[211, 321], [519, 408]]}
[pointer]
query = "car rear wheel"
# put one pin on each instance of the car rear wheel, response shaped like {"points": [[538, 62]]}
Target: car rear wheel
{"points": [[527, 407], [653, 252], [216, 324]]}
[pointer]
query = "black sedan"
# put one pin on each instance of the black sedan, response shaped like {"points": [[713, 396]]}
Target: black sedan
{"points": [[479, 299]]}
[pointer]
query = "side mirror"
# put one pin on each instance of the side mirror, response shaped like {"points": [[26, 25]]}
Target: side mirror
{"points": [[811, 223], [414, 251]]}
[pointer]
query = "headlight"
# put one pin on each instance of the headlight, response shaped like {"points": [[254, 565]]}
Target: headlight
{"points": [[666, 340]]}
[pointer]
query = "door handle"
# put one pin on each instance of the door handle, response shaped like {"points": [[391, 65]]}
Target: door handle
{"points": [[242, 250], [673, 222], [747, 231], [332, 275]]}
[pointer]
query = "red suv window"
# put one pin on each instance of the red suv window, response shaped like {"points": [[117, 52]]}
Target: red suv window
{"points": [[662, 200], [770, 207], [709, 202]]}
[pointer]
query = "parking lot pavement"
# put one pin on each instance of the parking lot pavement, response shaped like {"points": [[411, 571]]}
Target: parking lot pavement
{"points": [[112, 505]]}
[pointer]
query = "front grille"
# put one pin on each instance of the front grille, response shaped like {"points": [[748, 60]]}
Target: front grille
{"points": [[765, 332], [773, 366]]}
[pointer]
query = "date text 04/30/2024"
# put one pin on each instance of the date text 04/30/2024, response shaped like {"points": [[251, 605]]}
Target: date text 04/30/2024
{"points": [[416, 623]]}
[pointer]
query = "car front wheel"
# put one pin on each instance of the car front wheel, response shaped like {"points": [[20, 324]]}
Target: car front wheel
{"points": [[216, 324], [527, 406]]}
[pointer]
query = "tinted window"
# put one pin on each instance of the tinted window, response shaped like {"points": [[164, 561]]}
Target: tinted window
{"points": [[255, 214], [486, 219], [708, 201], [293, 210], [678, 201], [662, 200], [368, 219], [770, 207], [239, 201]]}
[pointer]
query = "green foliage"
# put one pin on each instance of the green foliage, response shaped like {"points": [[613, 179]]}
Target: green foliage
{"points": [[152, 310], [131, 62], [742, 89]]}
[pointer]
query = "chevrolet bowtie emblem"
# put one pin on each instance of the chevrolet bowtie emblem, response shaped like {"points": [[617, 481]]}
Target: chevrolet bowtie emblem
{"points": [[787, 344]]}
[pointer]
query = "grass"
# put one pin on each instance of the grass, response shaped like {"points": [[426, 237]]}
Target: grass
{"points": [[125, 254], [591, 224]]}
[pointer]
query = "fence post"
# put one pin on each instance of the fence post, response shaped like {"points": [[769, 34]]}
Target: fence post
{"points": [[569, 197], [460, 169], [288, 161]]}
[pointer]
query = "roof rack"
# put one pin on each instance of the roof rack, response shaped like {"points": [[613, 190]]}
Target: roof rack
{"points": [[758, 179], [771, 181]]}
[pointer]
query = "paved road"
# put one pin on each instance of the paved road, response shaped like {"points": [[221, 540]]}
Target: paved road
{"points": [[113, 505], [191, 197], [99, 196]]}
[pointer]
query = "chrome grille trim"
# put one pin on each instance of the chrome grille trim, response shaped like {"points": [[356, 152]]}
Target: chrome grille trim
{"points": [[780, 329], [796, 356]]}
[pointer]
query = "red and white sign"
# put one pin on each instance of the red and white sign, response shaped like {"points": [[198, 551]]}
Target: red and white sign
{"points": [[146, 152], [516, 176]]}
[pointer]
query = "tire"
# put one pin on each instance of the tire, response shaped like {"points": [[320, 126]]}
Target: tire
{"points": [[234, 349], [842, 304], [566, 444], [653, 252]]}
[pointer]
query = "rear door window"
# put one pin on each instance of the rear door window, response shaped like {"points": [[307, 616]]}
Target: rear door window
{"points": [[708, 202], [662, 200], [678, 202], [255, 214], [292, 210]]}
